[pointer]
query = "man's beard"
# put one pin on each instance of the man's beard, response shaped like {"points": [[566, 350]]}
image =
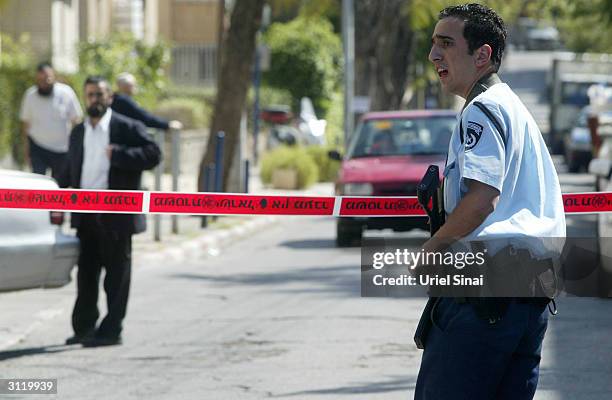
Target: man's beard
{"points": [[96, 110], [45, 91]]}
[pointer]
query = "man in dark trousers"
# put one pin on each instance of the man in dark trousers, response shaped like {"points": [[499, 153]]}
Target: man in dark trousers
{"points": [[106, 151], [501, 192], [124, 104]]}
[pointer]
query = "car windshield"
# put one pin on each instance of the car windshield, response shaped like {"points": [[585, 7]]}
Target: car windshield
{"points": [[402, 136]]}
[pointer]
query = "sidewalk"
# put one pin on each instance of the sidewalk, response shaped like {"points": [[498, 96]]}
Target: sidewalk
{"points": [[193, 241]]}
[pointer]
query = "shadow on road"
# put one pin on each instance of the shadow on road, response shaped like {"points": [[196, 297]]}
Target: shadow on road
{"points": [[310, 244], [32, 351], [396, 385], [342, 280]]}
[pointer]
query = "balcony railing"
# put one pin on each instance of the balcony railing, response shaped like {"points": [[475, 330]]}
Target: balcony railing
{"points": [[194, 65]]}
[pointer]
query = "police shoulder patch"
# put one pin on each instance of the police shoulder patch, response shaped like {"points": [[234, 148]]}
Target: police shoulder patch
{"points": [[472, 135]]}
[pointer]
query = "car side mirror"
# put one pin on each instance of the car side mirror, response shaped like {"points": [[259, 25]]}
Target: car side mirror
{"points": [[334, 155]]}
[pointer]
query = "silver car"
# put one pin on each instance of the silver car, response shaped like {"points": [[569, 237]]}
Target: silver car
{"points": [[34, 252]]}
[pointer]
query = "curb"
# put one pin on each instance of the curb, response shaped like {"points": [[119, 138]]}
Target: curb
{"points": [[208, 243]]}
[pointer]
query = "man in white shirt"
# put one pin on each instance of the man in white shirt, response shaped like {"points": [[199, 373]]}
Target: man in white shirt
{"points": [[49, 110]]}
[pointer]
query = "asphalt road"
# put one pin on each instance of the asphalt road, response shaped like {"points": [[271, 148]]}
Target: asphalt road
{"points": [[278, 315]]}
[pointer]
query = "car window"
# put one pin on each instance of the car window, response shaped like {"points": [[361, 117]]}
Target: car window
{"points": [[577, 93], [402, 136]]}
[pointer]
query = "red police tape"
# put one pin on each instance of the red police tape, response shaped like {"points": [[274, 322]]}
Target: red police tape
{"points": [[141, 202]]}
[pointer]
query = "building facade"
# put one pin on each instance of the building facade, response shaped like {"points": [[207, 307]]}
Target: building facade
{"points": [[51, 25], [56, 26]]}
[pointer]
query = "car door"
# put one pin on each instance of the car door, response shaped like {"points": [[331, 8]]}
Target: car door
{"points": [[26, 248]]}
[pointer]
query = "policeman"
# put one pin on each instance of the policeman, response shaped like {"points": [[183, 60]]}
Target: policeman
{"points": [[500, 181]]}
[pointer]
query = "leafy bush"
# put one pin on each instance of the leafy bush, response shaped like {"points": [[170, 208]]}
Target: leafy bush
{"points": [[306, 65], [295, 158], [123, 53], [16, 75], [328, 168], [191, 112]]}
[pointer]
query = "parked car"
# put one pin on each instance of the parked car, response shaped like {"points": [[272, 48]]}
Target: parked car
{"points": [[34, 252], [543, 38], [531, 34], [387, 156], [601, 167], [578, 146]]}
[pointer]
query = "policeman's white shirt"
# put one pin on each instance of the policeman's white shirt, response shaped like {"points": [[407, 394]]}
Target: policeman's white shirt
{"points": [[96, 165], [50, 117], [530, 202]]}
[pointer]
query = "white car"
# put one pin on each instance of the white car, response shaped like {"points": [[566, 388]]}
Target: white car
{"points": [[34, 252]]}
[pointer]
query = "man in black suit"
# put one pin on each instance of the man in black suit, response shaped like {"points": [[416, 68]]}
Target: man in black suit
{"points": [[106, 151], [124, 104]]}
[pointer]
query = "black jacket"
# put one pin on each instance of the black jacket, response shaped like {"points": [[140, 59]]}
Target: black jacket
{"points": [[134, 152], [125, 105]]}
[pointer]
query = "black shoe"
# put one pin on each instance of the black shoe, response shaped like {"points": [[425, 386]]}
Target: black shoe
{"points": [[99, 341], [78, 339]]}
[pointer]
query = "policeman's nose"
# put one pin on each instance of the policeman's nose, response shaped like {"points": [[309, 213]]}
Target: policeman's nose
{"points": [[434, 55]]}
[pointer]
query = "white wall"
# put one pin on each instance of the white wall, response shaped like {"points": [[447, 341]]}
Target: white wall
{"points": [[65, 34]]}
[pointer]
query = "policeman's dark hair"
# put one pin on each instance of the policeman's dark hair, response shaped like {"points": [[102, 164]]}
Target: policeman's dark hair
{"points": [[43, 65], [96, 80], [482, 26]]}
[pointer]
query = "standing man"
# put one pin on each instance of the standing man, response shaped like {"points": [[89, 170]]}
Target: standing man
{"points": [[49, 110], [123, 103], [107, 151], [500, 182]]}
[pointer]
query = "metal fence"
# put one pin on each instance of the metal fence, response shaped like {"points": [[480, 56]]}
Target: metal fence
{"points": [[194, 64]]}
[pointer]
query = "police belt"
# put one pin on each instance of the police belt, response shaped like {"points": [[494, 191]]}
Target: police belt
{"points": [[492, 309]]}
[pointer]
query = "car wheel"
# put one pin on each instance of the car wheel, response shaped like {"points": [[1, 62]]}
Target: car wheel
{"points": [[605, 284], [348, 235]]}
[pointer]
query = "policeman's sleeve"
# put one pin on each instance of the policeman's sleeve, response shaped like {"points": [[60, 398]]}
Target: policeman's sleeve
{"points": [[484, 148]]}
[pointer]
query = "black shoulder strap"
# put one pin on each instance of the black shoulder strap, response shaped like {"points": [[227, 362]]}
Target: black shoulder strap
{"points": [[492, 118]]}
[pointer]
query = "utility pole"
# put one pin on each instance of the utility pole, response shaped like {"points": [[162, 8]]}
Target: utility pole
{"points": [[220, 35], [257, 68], [348, 40]]}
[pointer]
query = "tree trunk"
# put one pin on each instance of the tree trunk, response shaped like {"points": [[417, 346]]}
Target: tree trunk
{"points": [[383, 52], [233, 83]]}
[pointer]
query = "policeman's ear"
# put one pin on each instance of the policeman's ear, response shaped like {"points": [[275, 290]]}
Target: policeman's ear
{"points": [[483, 55]]}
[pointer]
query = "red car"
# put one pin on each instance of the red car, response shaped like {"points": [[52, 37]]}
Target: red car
{"points": [[388, 156]]}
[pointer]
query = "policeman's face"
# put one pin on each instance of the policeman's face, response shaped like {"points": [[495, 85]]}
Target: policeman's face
{"points": [[449, 53], [45, 79], [98, 98]]}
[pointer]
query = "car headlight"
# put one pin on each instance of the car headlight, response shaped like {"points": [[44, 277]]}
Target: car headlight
{"points": [[358, 189]]}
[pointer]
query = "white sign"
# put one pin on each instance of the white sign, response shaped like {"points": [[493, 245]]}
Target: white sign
{"points": [[361, 104]]}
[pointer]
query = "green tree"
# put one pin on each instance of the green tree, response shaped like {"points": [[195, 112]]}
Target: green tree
{"points": [[306, 65], [123, 53], [233, 82], [16, 75], [585, 25]]}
